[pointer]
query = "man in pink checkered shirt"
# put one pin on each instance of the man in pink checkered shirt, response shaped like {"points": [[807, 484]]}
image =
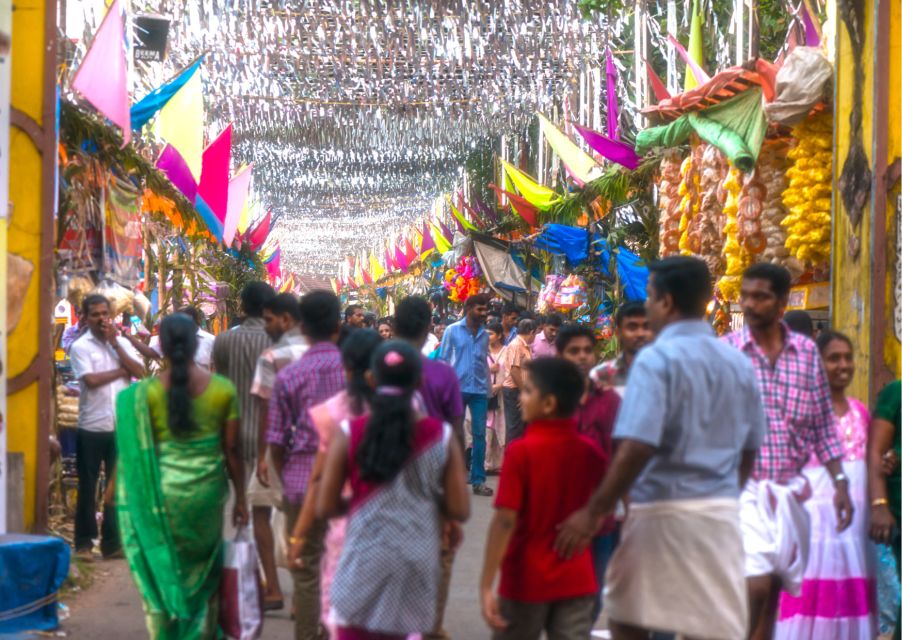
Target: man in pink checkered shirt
{"points": [[800, 421]]}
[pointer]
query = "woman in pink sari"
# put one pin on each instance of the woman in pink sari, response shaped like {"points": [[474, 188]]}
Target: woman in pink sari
{"points": [[327, 417], [838, 597]]}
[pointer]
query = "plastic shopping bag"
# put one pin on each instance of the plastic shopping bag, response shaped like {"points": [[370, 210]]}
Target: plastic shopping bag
{"points": [[281, 542], [240, 597]]}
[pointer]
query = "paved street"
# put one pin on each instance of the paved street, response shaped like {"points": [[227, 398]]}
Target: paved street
{"points": [[111, 609]]}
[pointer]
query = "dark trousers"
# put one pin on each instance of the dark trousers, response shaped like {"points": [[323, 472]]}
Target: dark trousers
{"points": [[603, 548], [93, 448], [307, 602], [569, 619], [513, 420]]}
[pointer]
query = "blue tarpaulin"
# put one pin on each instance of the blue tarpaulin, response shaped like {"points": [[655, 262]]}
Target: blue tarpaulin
{"points": [[573, 244], [32, 569]]}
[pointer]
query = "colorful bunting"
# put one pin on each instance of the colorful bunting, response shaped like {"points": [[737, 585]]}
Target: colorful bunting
{"points": [[657, 85], [442, 244], [427, 244], [611, 91], [614, 150], [176, 169], [462, 223], [102, 76], [537, 195], [237, 199], [181, 123], [143, 111], [521, 206], [580, 164], [213, 186]]}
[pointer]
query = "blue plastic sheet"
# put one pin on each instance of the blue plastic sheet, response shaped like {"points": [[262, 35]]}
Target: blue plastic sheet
{"points": [[31, 569], [573, 244]]}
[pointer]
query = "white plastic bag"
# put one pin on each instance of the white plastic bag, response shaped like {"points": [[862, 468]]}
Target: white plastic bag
{"points": [[240, 610]]}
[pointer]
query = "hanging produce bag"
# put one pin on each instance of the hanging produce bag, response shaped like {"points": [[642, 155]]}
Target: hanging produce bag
{"points": [[240, 610]]}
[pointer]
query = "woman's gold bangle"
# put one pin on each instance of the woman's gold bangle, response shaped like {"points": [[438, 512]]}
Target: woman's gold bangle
{"points": [[879, 502], [292, 540]]}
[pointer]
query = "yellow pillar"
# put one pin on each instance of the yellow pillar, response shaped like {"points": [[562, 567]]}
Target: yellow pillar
{"points": [[863, 297], [32, 157]]}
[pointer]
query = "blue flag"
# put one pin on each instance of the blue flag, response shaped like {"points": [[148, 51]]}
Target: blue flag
{"points": [[144, 110]]}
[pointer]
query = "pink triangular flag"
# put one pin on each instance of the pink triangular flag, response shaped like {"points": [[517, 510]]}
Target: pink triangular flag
{"points": [[102, 77], [701, 76], [238, 188], [214, 174]]}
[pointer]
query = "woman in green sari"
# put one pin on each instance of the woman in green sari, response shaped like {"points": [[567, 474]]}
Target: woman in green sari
{"points": [[177, 436]]}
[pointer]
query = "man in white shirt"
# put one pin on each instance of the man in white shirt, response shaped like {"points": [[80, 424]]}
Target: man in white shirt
{"points": [[204, 356], [104, 363]]}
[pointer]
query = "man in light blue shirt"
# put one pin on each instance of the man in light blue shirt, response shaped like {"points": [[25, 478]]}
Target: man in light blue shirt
{"points": [[465, 346], [689, 426]]}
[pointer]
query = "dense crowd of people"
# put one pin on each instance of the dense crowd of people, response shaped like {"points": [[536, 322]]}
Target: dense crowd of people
{"points": [[692, 486]]}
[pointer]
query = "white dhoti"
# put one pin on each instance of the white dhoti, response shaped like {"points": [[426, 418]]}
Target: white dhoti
{"points": [[679, 568], [776, 530]]}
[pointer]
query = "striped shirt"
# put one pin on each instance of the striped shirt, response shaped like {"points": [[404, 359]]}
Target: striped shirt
{"points": [[288, 349], [235, 355], [797, 404]]}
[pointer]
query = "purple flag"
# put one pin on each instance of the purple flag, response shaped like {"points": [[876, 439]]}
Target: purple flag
{"points": [[446, 232], [611, 90], [176, 169], [812, 37], [614, 150]]}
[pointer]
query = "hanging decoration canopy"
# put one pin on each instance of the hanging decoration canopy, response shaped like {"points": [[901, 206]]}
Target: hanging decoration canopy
{"points": [[356, 114]]}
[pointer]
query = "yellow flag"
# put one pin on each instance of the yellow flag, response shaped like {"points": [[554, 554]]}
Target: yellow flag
{"points": [[578, 162], [534, 193], [376, 270], [181, 123], [441, 244], [696, 47]]}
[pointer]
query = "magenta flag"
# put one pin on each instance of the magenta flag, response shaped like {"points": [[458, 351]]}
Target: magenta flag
{"points": [[812, 37], [611, 90], [409, 252], [614, 150], [238, 189], [401, 259], [214, 174], [428, 243], [260, 233], [176, 169], [102, 77], [446, 232], [389, 261]]}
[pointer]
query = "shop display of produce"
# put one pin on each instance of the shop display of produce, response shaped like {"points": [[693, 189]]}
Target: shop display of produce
{"points": [[669, 203], [690, 195], [807, 197], [705, 235], [736, 255]]}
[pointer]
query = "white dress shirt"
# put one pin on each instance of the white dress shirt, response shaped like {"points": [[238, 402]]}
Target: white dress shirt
{"points": [[204, 355], [97, 406]]}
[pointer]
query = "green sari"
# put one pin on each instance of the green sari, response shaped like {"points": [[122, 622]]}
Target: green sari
{"points": [[170, 495]]}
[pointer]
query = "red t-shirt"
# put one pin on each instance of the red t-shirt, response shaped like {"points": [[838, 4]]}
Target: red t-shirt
{"points": [[547, 475]]}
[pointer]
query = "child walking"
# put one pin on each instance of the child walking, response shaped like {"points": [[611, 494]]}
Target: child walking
{"points": [[406, 473], [547, 475]]}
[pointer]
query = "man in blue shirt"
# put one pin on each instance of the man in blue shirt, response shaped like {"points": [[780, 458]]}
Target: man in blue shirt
{"points": [[689, 427], [465, 346], [510, 315]]}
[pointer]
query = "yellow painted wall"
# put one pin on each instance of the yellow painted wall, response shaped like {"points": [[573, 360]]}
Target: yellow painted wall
{"points": [[24, 231], [851, 277]]}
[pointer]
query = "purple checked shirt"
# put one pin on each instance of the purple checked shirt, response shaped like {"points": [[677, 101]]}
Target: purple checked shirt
{"points": [[796, 398], [300, 386]]}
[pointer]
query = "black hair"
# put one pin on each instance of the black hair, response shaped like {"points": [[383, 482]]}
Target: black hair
{"points": [[779, 277], [388, 439], [495, 327], [800, 322], [631, 309], [412, 318], [178, 339], [386, 320], [510, 307], [824, 339], [254, 296], [688, 282], [559, 378], [351, 310], [572, 331], [320, 315], [284, 303], [194, 313], [369, 319], [526, 326], [554, 320], [356, 356], [477, 300], [93, 300]]}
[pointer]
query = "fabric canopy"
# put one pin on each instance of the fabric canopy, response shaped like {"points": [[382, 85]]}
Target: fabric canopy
{"points": [[736, 127], [573, 244], [534, 193], [499, 268]]}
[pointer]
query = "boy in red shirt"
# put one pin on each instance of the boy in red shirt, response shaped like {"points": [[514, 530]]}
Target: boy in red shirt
{"points": [[547, 475]]}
